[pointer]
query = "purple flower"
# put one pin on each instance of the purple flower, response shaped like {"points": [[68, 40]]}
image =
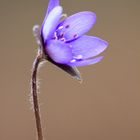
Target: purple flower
{"points": [[65, 41]]}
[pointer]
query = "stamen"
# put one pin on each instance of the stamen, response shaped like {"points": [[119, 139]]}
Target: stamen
{"points": [[75, 36], [55, 35], [63, 39], [62, 35], [67, 26], [73, 60], [63, 16], [60, 27], [78, 57]]}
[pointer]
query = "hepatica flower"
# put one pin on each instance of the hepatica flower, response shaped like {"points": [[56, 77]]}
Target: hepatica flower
{"points": [[65, 40], [64, 43]]}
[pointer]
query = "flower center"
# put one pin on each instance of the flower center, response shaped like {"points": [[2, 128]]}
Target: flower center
{"points": [[59, 34]]}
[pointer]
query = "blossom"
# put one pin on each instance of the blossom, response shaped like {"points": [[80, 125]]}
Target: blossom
{"points": [[65, 41]]}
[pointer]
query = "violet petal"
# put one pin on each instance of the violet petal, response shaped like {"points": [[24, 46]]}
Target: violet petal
{"points": [[88, 46], [52, 4], [58, 51], [51, 22], [77, 25]]}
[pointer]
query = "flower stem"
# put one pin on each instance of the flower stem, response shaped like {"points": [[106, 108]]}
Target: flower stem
{"points": [[36, 63]]}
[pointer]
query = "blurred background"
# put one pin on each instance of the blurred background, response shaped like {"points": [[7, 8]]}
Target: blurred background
{"points": [[106, 106]]}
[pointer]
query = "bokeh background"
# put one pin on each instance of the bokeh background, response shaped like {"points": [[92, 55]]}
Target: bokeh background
{"points": [[106, 106]]}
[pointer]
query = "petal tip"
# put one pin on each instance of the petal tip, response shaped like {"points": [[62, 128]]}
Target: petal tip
{"points": [[106, 44], [52, 4], [51, 21]]}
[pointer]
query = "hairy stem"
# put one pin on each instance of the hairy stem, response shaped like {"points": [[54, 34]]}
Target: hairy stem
{"points": [[37, 60]]}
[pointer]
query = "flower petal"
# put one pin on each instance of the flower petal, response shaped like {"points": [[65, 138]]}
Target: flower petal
{"points": [[51, 22], [52, 4], [86, 62], [88, 46], [58, 51], [77, 25]]}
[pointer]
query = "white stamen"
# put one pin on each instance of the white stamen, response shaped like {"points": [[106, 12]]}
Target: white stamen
{"points": [[63, 39], [55, 35], [64, 16], [73, 60], [78, 57], [61, 27]]}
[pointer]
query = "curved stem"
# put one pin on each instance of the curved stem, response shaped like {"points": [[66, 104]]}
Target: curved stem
{"points": [[35, 99]]}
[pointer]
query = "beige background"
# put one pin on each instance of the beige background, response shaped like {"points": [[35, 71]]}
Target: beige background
{"points": [[106, 106]]}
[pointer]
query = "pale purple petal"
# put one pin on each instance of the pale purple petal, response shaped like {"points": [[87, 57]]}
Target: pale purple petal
{"points": [[52, 4], [77, 25], [58, 51], [51, 22], [86, 62], [88, 46]]}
